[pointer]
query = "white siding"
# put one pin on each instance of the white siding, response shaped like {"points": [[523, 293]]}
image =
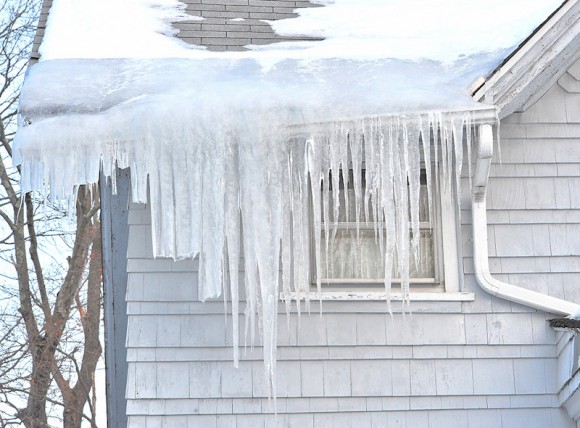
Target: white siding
{"points": [[534, 200]]}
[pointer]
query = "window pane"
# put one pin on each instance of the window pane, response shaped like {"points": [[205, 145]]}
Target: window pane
{"points": [[342, 209], [362, 259], [423, 204]]}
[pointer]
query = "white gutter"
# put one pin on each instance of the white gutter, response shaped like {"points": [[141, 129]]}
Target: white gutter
{"points": [[493, 286]]}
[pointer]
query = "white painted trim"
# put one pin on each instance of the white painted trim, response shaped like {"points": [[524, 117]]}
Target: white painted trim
{"points": [[536, 65], [449, 239], [479, 114], [569, 397], [376, 282], [520, 53], [381, 296], [493, 286]]}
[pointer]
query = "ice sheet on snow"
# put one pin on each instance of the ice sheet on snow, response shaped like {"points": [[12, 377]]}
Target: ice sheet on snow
{"points": [[444, 30]]}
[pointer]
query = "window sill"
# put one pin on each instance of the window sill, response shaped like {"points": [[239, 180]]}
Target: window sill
{"points": [[381, 296]]}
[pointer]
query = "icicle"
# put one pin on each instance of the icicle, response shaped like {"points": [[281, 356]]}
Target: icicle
{"points": [[212, 219], [388, 202], [232, 211], [356, 141], [300, 228], [379, 173], [316, 181], [469, 130], [370, 131], [457, 126], [333, 182], [425, 128], [287, 237], [435, 130], [412, 130], [401, 211]]}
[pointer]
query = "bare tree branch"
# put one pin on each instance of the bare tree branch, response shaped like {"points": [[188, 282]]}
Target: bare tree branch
{"points": [[33, 250], [59, 309]]}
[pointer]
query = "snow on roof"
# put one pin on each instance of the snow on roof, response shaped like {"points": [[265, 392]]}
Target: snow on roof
{"points": [[426, 53], [446, 30]]}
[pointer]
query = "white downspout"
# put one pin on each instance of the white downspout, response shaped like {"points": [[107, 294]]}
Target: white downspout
{"points": [[493, 286]]}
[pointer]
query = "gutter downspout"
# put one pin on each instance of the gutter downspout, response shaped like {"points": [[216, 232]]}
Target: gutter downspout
{"points": [[491, 285]]}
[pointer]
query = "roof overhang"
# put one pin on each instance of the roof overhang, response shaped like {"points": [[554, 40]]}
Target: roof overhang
{"points": [[525, 76]]}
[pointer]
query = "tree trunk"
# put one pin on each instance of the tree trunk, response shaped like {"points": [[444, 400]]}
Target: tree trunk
{"points": [[73, 411], [34, 416]]}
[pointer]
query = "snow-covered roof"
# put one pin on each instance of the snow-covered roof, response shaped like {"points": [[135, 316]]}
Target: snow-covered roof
{"points": [[446, 31], [376, 57], [467, 38]]}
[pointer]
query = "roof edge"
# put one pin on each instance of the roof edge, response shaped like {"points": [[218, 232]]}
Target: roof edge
{"points": [[524, 76]]}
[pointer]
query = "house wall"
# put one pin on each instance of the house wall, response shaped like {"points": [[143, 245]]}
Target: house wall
{"points": [[481, 363]]}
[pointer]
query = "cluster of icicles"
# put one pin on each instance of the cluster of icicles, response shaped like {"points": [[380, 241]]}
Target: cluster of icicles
{"points": [[260, 193]]}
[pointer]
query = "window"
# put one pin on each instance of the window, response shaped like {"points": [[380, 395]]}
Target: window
{"points": [[396, 180], [359, 257], [353, 258]]}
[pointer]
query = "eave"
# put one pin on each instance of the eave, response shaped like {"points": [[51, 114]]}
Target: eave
{"points": [[538, 63]]}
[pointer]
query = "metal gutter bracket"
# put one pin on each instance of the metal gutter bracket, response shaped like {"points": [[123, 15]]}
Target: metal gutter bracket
{"points": [[491, 285]]}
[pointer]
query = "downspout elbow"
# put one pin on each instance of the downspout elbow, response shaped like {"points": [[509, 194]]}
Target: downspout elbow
{"points": [[480, 253]]}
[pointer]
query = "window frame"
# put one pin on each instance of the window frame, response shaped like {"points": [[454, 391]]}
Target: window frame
{"points": [[448, 263]]}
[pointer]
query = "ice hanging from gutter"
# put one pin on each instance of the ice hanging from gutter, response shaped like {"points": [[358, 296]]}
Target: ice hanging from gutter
{"points": [[226, 153]]}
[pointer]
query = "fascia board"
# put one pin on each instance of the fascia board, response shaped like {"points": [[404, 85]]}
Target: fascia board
{"points": [[537, 64]]}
